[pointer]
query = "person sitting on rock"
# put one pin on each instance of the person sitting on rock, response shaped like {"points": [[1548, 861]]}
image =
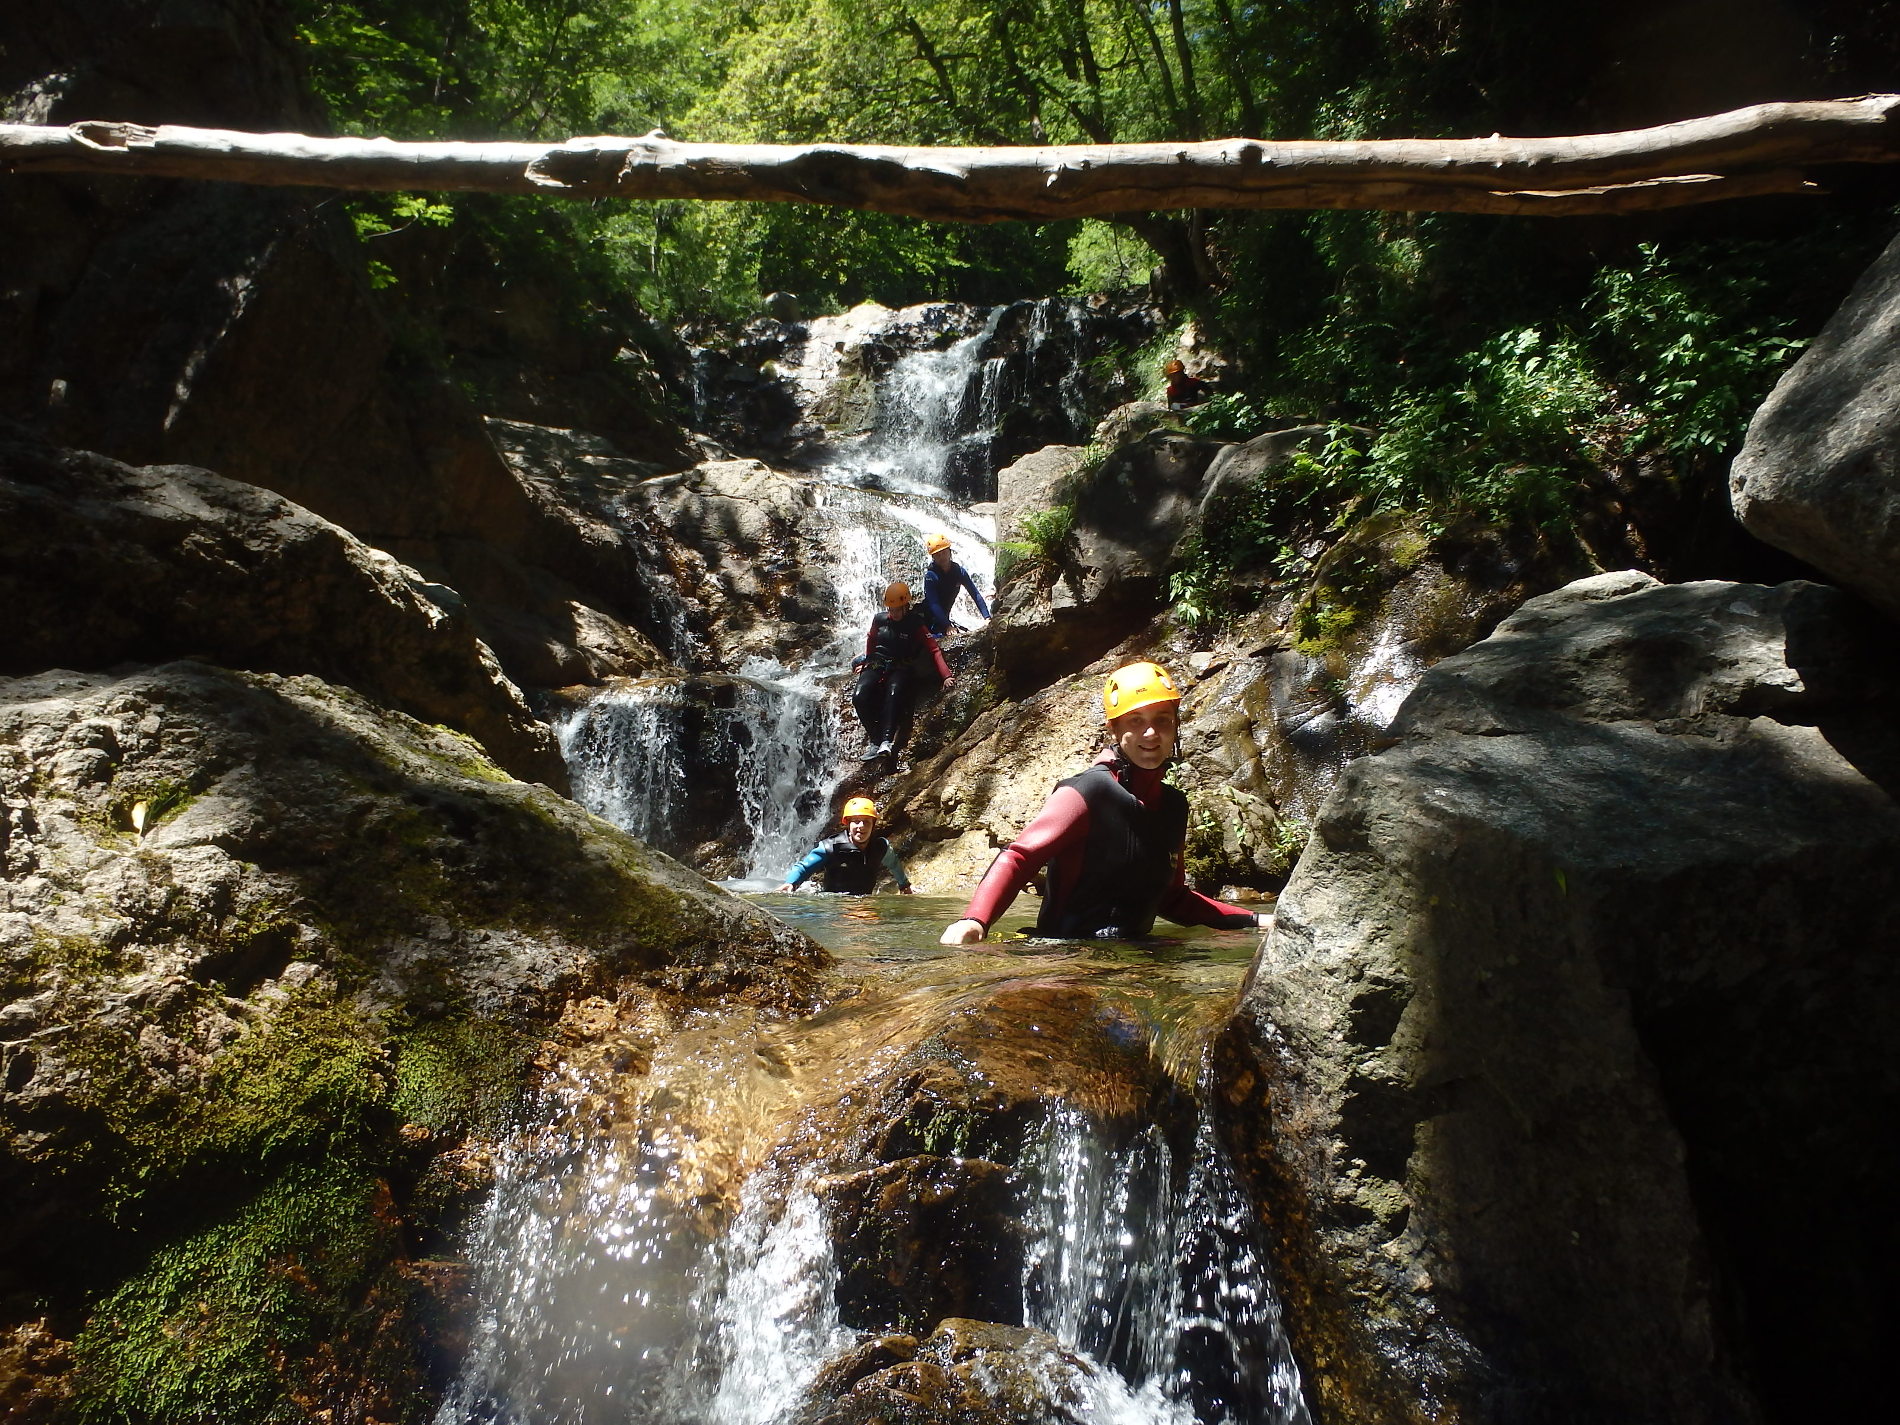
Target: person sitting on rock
{"points": [[887, 686], [1183, 390], [848, 863], [1113, 838], [944, 581]]}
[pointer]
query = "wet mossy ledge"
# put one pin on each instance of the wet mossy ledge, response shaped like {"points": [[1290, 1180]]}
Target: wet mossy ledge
{"points": [[277, 964]]}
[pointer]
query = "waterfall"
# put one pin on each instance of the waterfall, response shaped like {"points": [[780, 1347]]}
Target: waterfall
{"points": [[681, 762], [652, 758], [656, 1250], [1147, 1266]]}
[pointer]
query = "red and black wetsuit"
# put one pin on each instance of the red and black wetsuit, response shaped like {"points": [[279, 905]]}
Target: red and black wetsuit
{"points": [[884, 690], [1112, 839]]}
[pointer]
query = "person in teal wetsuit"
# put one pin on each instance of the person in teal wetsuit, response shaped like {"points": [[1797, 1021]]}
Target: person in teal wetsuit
{"points": [[849, 863]]}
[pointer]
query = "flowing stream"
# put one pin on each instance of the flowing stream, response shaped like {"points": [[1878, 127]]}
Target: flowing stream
{"points": [[680, 1234], [927, 451], [662, 1244]]}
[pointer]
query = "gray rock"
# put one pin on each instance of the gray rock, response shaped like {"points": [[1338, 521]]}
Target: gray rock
{"points": [[1248, 461], [1819, 474], [106, 564], [1109, 577], [1557, 1072]]}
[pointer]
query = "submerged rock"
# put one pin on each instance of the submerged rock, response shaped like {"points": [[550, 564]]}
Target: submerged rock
{"points": [[272, 956], [966, 1372], [1571, 993]]}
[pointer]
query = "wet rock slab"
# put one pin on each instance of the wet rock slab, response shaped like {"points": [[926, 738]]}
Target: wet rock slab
{"points": [[271, 956]]}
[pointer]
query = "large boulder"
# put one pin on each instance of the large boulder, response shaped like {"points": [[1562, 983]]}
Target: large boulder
{"points": [[1819, 474], [273, 963], [1100, 573], [108, 564], [1560, 1079]]}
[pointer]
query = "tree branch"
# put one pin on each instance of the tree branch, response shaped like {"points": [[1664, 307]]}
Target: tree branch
{"points": [[1744, 153]]}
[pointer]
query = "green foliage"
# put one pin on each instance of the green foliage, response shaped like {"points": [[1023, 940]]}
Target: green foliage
{"points": [[1229, 416], [1106, 257], [1699, 348], [1045, 533]]}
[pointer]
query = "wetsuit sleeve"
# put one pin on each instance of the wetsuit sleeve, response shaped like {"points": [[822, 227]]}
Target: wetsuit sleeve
{"points": [[930, 642], [895, 866], [1063, 821], [1186, 906], [970, 584], [814, 858]]}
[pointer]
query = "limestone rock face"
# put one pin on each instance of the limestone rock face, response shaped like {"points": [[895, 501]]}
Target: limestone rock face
{"points": [[269, 954], [1569, 995], [1819, 474], [108, 564]]}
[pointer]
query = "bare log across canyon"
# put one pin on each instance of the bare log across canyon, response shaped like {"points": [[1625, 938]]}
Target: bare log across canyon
{"points": [[1743, 153]]}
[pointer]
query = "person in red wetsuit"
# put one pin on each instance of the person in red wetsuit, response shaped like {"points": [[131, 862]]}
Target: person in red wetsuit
{"points": [[887, 678], [1112, 837]]}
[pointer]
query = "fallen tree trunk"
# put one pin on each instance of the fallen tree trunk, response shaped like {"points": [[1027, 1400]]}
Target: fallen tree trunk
{"points": [[1743, 153]]}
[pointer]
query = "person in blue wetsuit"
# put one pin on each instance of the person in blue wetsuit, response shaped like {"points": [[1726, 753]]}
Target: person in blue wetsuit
{"points": [[944, 580], [848, 864]]}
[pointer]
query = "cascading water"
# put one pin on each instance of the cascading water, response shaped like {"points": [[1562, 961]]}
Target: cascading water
{"points": [[647, 1254], [657, 1250], [1146, 1265], [639, 755]]}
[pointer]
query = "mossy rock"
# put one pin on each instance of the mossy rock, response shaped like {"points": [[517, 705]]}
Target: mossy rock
{"points": [[252, 1035]]}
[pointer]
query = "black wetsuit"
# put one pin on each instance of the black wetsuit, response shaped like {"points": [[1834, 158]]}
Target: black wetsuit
{"points": [[887, 685]]}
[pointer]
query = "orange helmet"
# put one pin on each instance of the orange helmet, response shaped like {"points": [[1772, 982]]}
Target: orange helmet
{"points": [[1137, 686], [895, 594], [1175, 368], [936, 542], [858, 806]]}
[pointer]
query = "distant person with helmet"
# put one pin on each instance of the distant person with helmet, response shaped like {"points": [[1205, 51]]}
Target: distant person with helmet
{"points": [[1113, 838], [887, 684], [1183, 390], [944, 581], [848, 863]]}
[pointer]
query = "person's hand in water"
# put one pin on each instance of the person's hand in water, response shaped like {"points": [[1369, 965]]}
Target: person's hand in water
{"points": [[964, 932]]}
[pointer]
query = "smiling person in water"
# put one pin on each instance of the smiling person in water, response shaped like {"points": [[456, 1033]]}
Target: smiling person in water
{"points": [[848, 864], [1113, 837]]}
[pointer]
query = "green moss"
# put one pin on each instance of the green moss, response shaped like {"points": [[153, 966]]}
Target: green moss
{"points": [[466, 756], [79, 958], [457, 1077], [210, 1327]]}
